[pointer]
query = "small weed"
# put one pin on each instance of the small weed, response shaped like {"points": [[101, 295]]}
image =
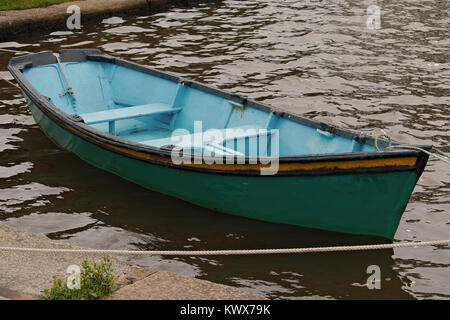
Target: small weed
{"points": [[96, 282]]}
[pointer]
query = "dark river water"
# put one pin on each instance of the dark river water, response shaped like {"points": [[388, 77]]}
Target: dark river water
{"points": [[315, 58]]}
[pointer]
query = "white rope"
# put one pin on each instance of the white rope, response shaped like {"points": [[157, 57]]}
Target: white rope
{"points": [[405, 146], [69, 87], [440, 152], [382, 136], [444, 157], [235, 252]]}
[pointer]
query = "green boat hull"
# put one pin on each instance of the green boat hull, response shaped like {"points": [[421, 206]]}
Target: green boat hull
{"points": [[356, 203]]}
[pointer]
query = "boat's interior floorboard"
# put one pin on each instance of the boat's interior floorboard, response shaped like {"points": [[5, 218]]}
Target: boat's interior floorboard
{"points": [[124, 127], [146, 134]]}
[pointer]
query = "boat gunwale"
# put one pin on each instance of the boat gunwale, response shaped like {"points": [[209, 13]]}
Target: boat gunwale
{"points": [[18, 64]]}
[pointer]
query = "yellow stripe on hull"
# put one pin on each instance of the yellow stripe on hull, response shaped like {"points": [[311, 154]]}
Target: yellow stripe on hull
{"points": [[283, 167]]}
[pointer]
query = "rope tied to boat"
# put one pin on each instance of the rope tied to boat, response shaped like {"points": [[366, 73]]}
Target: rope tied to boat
{"points": [[445, 158], [442, 155], [235, 252], [69, 87]]}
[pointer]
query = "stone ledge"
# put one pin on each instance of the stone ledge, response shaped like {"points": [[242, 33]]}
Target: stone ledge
{"points": [[164, 285], [14, 23], [23, 275]]}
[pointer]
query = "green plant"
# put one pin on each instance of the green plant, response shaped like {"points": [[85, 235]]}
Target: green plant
{"points": [[26, 4], [97, 281]]}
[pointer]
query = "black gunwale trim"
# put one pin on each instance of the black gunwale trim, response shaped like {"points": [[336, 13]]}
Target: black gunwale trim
{"points": [[17, 65], [421, 163]]}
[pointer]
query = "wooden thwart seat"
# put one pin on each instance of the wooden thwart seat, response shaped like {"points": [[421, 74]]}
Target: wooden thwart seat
{"points": [[189, 141], [113, 115]]}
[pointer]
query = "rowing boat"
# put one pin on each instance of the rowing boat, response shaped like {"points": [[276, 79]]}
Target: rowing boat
{"points": [[217, 149]]}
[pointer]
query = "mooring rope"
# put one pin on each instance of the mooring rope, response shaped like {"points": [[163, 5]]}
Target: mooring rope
{"points": [[445, 158], [406, 146], [234, 252], [69, 87]]}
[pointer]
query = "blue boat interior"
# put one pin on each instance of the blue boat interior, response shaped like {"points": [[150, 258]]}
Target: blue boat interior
{"points": [[153, 111]]}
